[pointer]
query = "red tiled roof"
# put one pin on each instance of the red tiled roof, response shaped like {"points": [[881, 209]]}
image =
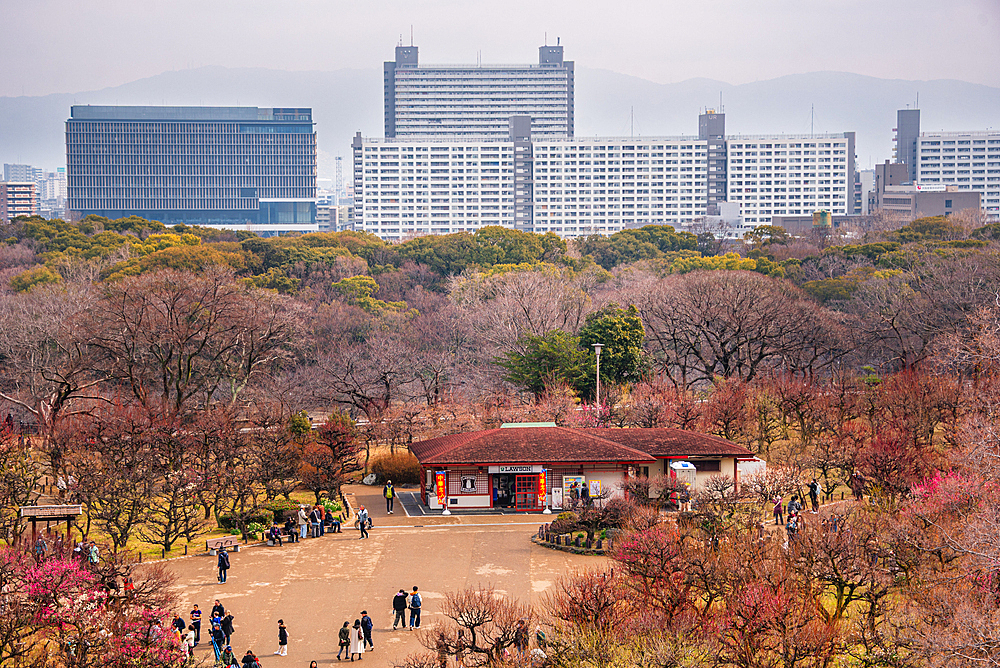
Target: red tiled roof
{"points": [[667, 442], [526, 445]]}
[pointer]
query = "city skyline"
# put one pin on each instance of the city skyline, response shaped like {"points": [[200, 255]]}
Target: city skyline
{"points": [[661, 42]]}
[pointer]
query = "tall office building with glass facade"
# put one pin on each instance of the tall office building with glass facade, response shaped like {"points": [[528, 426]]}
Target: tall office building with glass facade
{"points": [[230, 167]]}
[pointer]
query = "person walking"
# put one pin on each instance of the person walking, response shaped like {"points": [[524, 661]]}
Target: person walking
{"points": [[303, 521], [521, 637], [227, 627], [357, 640], [399, 608], [344, 637], [282, 639], [366, 626], [363, 522], [93, 555], [779, 515], [389, 492], [223, 564], [195, 617], [415, 609]]}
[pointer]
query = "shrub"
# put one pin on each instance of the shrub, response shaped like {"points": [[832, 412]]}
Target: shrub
{"points": [[331, 506], [261, 517], [401, 468], [281, 508]]}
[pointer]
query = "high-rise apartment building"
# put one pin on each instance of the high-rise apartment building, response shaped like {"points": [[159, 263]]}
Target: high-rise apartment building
{"points": [[17, 198], [477, 100], [572, 187], [601, 185], [966, 160], [771, 175], [230, 167]]}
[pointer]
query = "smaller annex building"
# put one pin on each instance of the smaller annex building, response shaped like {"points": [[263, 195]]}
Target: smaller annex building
{"points": [[528, 467]]}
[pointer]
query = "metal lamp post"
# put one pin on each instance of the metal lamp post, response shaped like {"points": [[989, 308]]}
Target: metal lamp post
{"points": [[597, 350]]}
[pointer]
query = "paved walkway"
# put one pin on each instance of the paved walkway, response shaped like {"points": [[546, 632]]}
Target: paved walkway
{"points": [[319, 584]]}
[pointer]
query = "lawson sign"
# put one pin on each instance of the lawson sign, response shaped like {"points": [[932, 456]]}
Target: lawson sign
{"points": [[517, 468]]}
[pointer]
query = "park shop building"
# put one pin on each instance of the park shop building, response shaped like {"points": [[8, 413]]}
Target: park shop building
{"points": [[527, 467]]}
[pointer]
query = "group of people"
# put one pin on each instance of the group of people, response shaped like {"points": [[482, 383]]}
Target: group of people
{"points": [[355, 639], [400, 604], [312, 520], [795, 509], [188, 635]]}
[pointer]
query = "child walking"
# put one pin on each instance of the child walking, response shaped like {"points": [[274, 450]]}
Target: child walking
{"points": [[282, 639]]}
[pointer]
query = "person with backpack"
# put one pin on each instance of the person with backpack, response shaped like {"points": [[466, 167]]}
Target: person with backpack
{"points": [[389, 492], [399, 608], [415, 609], [344, 637], [366, 626], [223, 564], [282, 639]]}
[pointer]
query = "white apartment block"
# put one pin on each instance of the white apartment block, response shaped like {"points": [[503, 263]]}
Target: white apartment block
{"points": [[772, 175], [968, 160], [572, 187], [477, 101]]}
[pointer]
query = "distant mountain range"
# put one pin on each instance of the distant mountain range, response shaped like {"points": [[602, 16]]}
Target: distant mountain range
{"points": [[607, 103]]}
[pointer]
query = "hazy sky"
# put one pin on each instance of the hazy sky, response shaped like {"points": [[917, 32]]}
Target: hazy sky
{"points": [[64, 46]]}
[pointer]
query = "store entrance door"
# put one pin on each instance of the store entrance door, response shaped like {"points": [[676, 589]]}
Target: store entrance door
{"points": [[526, 492]]}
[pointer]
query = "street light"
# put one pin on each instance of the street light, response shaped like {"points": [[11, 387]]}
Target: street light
{"points": [[597, 350]]}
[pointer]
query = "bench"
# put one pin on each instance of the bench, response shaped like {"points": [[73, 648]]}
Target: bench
{"points": [[223, 541]]}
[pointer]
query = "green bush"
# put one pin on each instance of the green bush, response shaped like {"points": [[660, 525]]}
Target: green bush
{"points": [[401, 468], [333, 507], [281, 508], [261, 517]]}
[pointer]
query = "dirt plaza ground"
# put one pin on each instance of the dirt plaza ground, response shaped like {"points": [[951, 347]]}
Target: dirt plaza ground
{"points": [[319, 584]]}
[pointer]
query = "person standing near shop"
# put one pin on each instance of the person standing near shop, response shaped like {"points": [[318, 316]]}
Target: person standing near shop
{"points": [[389, 492], [282, 639], [415, 603]]}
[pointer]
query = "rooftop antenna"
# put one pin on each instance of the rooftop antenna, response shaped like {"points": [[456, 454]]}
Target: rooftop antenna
{"points": [[546, 38], [721, 108], [400, 39], [812, 119], [557, 41], [631, 123], [411, 34], [917, 105]]}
